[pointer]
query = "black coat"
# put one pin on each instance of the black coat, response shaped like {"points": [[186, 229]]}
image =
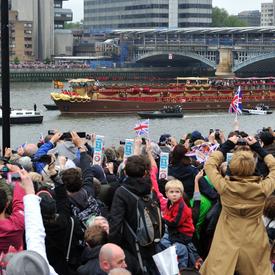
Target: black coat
{"points": [[90, 263], [124, 209], [57, 234], [186, 174]]}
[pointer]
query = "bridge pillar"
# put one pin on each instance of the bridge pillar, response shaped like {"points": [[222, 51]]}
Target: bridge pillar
{"points": [[224, 68]]}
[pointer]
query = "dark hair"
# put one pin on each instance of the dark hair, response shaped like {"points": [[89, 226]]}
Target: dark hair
{"points": [[178, 155], [3, 200], [137, 166], [72, 178]]}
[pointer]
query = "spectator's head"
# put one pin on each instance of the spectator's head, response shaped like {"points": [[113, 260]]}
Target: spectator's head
{"points": [[242, 163], [26, 163], [119, 271], [3, 200], [100, 221], [178, 155], [164, 139], [25, 263], [269, 208], [30, 149], [196, 135], [266, 137], [110, 154], [72, 178], [111, 256], [137, 166], [120, 153], [47, 205], [174, 190], [95, 235]]}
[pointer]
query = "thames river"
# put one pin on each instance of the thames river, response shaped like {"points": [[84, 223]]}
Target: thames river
{"points": [[119, 127]]}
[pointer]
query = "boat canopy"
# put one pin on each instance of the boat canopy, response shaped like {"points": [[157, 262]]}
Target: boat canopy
{"points": [[81, 80]]}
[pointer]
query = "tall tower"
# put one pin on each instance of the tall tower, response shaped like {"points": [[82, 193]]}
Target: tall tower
{"points": [[61, 15]]}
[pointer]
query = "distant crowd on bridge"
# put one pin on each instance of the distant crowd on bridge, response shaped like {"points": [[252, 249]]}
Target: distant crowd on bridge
{"points": [[198, 204], [42, 66]]}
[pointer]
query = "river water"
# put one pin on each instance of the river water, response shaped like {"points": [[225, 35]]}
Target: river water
{"points": [[119, 127]]}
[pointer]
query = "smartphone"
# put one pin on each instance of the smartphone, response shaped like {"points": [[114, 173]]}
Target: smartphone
{"points": [[182, 141], [13, 177], [211, 131], [228, 157]]}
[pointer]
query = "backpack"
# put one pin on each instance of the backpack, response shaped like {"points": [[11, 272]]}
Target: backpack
{"points": [[149, 221]]}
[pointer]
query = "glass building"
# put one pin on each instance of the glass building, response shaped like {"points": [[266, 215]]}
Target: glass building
{"points": [[100, 15]]}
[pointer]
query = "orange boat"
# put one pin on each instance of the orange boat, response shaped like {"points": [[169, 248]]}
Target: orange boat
{"points": [[192, 93]]}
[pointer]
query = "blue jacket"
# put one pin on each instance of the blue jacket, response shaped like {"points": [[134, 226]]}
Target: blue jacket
{"points": [[43, 150]]}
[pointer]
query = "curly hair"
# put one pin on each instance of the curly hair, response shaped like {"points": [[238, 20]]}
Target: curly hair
{"points": [[95, 235]]}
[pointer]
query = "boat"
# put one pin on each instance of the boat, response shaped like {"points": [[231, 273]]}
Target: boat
{"points": [[192, 93], [24, 116], [166, 112], [50, 107], [260, 109]]}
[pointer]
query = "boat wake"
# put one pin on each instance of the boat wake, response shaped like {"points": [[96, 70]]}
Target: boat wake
{"points": [[201, 115]]}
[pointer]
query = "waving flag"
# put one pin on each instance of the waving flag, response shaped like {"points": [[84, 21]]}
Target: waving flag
{"points": [[142, 127], [236, 103]]}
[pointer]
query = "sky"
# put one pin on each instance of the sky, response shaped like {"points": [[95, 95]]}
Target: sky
{"points": [[232, 6]]}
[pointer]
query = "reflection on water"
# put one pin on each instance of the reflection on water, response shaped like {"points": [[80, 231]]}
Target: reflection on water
{"points": [[116, 127]]}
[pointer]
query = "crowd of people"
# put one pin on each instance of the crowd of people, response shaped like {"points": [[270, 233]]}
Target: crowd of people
{"points": [[37, 65], [62, 211]]}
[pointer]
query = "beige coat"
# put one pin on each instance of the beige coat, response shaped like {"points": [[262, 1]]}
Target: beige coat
{"points": [[240, 242]]}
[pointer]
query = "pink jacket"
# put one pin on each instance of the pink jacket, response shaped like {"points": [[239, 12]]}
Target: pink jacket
{"points": [[12, 227]]}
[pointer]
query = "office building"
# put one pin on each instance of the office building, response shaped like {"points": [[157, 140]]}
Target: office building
{"points": [[267, 14], [102, 15], [61, 15], [41, 14], [250, 18]]}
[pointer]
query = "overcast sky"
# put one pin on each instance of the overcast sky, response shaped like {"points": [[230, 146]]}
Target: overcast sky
{"points": [[232, 6]]}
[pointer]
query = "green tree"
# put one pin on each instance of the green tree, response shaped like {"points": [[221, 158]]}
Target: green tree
{"points": [[16, 60], [47, 61], [221, 18], [73, 25]]}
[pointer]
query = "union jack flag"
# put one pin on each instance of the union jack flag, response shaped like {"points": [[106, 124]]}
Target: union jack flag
{"points": [[142, 127], [236, 103]]}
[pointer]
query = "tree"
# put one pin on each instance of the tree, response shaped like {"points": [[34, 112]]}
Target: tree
{"points": [[16, 60], [73, 25], [221, 18]]}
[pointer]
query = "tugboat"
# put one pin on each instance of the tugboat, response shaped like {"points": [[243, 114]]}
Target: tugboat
{"points": [[23, 116], [260, 109], [165, 112]]}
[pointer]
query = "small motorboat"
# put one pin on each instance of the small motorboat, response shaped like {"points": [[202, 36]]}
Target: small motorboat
{"points": [[166, 112], [50, 107], [23, 116], [260, 109]]}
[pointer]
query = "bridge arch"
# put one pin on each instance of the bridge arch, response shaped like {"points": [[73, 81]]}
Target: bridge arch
{"points": [[253, 60], [183, 54]]}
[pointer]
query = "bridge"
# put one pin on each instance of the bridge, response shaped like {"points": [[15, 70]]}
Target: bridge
{"points": [[225, 50]]}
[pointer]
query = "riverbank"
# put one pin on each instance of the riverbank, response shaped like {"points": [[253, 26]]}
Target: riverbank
{"points": [[112, 74]]}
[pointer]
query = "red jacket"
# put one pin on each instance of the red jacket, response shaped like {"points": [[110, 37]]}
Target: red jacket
{"points": [[12, 227], [178, 218]]}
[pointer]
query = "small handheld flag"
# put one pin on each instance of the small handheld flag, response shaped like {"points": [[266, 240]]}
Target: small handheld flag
{"points": [[236, 103], [142, 127]]}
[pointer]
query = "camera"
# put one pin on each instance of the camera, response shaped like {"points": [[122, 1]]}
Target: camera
{"points": [[4, 172], [211, 131], [241, 141], [47, 159], [217, 133], [67, 135], [143, 142], [122, 142]]}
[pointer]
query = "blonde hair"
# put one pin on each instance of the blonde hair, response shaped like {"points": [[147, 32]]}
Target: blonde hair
{"points": [[242, 164], [174, 184]]}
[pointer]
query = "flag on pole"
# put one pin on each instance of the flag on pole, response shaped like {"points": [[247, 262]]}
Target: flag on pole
{"points": [[142, 127], [236, 103]]}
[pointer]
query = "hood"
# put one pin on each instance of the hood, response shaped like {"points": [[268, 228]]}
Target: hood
{"points": [[181, 172], [80, 198], [90, 253], [139, 186], [66, 149]]}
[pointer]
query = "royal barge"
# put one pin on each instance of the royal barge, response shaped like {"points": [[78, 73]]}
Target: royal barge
{"points": [[191, 93]]}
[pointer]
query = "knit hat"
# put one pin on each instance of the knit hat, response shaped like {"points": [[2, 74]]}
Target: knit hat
{"points": [[47, 204], [26, 263], [266, 137], [196, 135]]}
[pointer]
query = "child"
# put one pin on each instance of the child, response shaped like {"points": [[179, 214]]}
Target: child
{"points": [[177, 215]]}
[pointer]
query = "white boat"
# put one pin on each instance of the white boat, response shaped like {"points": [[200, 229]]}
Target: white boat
{"points": [[23, 116], [260, 109]]}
